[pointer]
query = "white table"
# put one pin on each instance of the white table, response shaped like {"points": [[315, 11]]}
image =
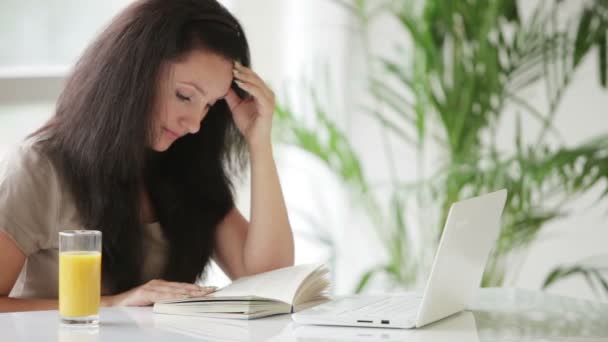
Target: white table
{"points": [[495, 315]]}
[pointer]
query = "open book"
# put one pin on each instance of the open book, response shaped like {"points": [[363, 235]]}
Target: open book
{"points": [[285, 290]]}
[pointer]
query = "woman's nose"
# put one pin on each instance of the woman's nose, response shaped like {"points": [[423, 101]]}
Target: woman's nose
{"points": [[192, 122], [192, 126]]}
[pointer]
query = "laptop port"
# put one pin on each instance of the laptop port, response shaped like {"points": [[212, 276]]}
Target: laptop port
{"points": [[361, 321], [385, 321]]}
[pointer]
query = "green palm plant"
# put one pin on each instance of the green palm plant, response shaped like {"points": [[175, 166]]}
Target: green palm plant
{"points": [[467, 67]]}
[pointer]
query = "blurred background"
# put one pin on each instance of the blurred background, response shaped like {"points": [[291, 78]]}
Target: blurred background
{"points": [[388, 111]]}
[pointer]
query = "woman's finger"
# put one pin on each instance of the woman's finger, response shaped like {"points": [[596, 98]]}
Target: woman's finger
{"points": [[180, 285], [248, 76], [233, 100], [172, 293], [254, 82], [245, 74], [155, 296], [181, 289], [170, 289], [255, 91]]}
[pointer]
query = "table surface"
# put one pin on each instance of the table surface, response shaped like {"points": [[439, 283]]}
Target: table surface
{"points": [[497, 314]]}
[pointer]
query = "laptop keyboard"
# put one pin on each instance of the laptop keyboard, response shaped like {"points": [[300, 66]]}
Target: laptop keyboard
{"points": [[390, 306], [371, 306]]}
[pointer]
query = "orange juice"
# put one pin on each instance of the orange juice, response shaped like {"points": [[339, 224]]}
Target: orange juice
{"points": [[79, 283]]}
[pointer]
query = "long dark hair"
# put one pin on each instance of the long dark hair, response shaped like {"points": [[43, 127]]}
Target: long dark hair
{"points": [[99, 136]]}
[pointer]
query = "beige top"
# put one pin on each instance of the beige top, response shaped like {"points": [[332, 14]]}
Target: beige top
{"points": [[34, 207]]}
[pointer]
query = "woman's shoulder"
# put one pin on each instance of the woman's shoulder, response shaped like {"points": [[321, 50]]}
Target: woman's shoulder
{"points": [[30, 197], [26, 169], [27, 156]]}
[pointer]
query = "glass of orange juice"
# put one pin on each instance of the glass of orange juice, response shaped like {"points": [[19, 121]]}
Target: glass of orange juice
{"points": [[79, 277]]}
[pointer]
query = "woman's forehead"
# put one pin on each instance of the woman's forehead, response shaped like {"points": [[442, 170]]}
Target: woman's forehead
{"points": [[209, 71]]}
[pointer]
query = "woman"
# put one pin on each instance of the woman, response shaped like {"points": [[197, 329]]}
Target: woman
{"points": [[157, 116]]}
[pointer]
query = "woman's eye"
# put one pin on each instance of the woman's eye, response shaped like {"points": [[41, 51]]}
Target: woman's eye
{"points": [[182, 97]]}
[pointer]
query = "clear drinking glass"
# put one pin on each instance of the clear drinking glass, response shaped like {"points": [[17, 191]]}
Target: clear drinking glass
{"points": [[79, 277]]}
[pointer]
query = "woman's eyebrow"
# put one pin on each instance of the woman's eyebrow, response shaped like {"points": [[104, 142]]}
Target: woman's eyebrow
{"points": [[200, 89]]}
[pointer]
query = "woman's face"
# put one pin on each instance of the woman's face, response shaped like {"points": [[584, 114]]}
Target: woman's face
{"points": [[190, 87]]}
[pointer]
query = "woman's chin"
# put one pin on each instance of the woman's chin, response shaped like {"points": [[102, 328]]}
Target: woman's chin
{"points": [[162, 146]]}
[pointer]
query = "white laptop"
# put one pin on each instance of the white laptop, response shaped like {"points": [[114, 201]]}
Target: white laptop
{"points": [[470, 232]]}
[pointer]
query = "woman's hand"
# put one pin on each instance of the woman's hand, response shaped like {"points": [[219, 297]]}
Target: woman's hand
{"points": [[253, 116], [156, 290]]}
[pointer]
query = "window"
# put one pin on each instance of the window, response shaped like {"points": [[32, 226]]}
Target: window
{"points": [[40, 39]]}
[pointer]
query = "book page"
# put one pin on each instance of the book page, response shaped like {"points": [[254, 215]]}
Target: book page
{"points": [[314, 288], [280, 284]]}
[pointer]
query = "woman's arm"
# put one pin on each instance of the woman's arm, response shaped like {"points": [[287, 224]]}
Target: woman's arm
{"points": [[266, 243], [12, 260], [269, 243], [15, 304], [244, 248]]}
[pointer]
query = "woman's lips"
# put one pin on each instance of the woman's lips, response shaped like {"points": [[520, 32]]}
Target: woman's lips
{"points": [[172, 134]]}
